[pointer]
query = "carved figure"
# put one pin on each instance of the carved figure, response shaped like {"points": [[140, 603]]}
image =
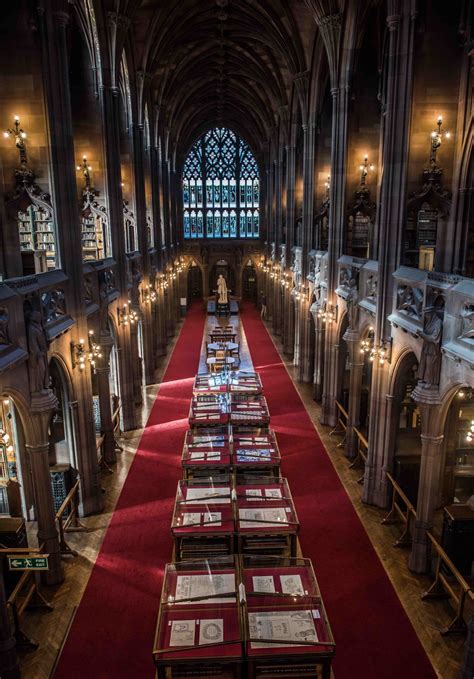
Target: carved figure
{"points": [[430, 362], [410, 300], [371, 287], [352, 300], [222, 290], [104, 327], [38, 350], [4, 337]]}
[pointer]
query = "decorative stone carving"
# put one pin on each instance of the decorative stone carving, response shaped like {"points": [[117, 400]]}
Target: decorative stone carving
{"points": [[430, 362], [104, 327], [53, 304], [38, 354], [4, 336], [467, 323], [345, 277], [136, 278], [371, 285], [352, 301], [88, 291], [410, 300]]}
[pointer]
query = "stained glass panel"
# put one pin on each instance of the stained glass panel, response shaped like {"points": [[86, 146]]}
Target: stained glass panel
{"points": [[223, 164]]}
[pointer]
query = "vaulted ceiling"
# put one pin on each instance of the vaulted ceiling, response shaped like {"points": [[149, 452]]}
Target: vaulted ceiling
{"points": [[222, 62]]}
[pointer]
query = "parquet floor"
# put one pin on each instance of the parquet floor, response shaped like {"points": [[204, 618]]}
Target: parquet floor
{"points": [[49, 629]]}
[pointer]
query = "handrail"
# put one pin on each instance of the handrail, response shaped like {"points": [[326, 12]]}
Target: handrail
{"points": [[25, 589], [360, 459], [342, 420], [444, 588], [398, 513], [70, 522]]}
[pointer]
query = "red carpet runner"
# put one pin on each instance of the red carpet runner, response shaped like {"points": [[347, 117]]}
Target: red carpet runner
{"points": [[112, 634], [374, 637]]}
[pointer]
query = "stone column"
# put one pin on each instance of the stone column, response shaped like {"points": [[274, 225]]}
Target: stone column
{"points": [[318, 354], [429, 405], [42, 406], [356, 361], [401, 24], [9, 668]]}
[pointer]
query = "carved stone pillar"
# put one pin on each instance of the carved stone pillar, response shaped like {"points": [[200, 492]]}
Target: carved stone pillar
{"points": [[137, 366], [377, 490], [42, 406], [318, 353], [356, 360], [432, 440], [9, 668], [288, 324], [305, 366]]}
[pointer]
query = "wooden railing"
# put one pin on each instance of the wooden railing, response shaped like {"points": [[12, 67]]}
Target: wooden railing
{"points": [[450, 584], [24, 594], [397, 513], [341, 424], [116, 425], [66, 516], [360, 459]]}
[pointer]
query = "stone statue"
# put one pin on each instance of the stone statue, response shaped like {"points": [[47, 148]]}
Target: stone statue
{"points": [[430, 361], [4, 336], [104, 328], [222, 290], [352, 300], [38, 350]]}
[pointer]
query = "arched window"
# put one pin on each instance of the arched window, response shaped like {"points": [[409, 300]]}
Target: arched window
{"points": [[221, 191]]}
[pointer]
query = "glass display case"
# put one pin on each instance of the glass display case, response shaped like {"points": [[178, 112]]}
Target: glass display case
{"points": [[206, 452], [228, 381], [287, 632], [242, 382], [255, 452], [203, 519], [207, 410], [199, 628], [249, 409], [266, 519]]}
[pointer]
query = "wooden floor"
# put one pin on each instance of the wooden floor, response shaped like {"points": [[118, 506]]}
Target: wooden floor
{"points": [[49, 629]]}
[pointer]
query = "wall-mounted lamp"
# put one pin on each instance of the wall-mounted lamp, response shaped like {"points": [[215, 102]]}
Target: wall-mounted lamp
{"points": [[149, 294], [367, 345], [466, 394], [95, 351], [327, 185], [126, 315], [328, 313], [19, 136], [85, 169], [364, 170], [382, 352], [470, 433], [78, 354], [437, 139]]}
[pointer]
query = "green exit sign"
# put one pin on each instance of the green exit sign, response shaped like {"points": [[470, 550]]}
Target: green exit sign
{"points": [[28, 563]]}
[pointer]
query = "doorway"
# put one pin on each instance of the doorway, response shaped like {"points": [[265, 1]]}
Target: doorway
{"points": [[249, 282]]}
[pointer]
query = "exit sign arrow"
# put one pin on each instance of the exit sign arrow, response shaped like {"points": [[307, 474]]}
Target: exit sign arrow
{"points": [[28, 563]]}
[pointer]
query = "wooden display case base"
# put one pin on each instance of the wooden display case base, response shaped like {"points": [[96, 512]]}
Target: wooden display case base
{"points": [[289, 669]]}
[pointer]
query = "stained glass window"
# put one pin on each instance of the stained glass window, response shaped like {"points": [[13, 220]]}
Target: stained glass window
{"points": [[221, 191]]}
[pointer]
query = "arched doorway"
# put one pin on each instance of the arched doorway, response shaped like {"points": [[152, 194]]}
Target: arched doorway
{"points": [[458, 481], [194, 282], [16, 492], [249, 282], [62, 448], [406, 428]]}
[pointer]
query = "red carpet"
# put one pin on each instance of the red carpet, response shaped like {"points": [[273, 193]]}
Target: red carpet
{"points": [[374, 637], [112, 634]]}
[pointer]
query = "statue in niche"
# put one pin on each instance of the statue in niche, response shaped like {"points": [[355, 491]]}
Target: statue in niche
{"points": [[352, 300], [467, 330], [430, 361], [104, 327], [38, 351], [222, 290], [371, 287], [410, 300], [4, 336]]}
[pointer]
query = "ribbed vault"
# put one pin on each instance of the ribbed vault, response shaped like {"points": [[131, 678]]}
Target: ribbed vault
{"points": [[219, 63]]}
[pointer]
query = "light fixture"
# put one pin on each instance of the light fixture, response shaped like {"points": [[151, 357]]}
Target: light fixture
{"points": [[382, 352], [149, 294], [466, 393], [126, 315], [85, 169], [364, 170], [367, 344], [470, 433], [78, 354], [327, 313], [436, 140], [19, 135], [95, 351]]}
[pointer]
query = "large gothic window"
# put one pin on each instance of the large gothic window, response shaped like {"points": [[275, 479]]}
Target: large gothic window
{"points": [[221, 192]]}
